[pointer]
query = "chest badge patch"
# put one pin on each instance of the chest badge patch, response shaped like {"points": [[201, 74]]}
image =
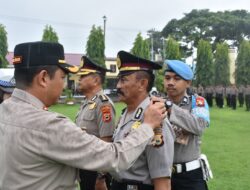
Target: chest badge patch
{"points": [[92, 105], [158, 138], [136, 125]]}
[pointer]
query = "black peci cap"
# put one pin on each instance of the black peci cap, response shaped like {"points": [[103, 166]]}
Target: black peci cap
{"points": [[32, 54]]}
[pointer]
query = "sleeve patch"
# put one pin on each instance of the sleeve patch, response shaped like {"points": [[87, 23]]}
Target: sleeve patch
{"points": [[200, 102], [106, 113]]}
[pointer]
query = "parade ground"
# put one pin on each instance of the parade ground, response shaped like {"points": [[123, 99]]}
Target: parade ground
{"points": [[226, 144]]}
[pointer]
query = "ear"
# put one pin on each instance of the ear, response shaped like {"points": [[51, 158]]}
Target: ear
{"points": [[143, 84], [189, 82], [43, 78]]}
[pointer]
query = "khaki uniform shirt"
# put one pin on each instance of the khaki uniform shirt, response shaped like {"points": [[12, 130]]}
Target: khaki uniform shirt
{"points": [[189, 120], [154, 162], [97, 116], [40, 149]]}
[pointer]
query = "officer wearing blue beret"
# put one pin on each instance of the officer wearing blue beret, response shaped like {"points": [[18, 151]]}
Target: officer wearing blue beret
{"points": [[189, 116]]}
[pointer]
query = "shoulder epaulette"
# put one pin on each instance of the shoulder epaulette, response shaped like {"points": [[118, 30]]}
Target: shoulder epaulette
{"points": [[93, 99], [103, 98]]}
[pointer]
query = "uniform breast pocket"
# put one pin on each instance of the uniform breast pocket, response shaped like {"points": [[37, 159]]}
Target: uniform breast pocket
{"points": [[89, 115]]}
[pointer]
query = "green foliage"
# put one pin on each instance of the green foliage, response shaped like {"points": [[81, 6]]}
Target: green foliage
{"points": [[211, 26], [49, 34], [222, 75], [242, 72], [141, 47], [3, 47], [204, 66], [95, 45], [172, 49]]}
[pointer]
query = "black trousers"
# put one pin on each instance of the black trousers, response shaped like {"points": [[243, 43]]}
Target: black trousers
{"points": [[88, 179], [241, 99], [115, 185], [233, 101], [192, 180]]}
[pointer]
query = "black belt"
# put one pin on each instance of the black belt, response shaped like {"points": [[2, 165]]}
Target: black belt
{"points": [[130, 185]]}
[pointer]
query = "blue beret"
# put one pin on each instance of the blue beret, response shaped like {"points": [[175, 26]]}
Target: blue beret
{"points": [[180, 68]]}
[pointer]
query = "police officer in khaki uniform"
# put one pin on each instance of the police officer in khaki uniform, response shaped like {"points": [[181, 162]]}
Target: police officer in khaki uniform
{"points": [[152, 170], [96, 115], [247, 97], [189, 116], [241, 92], [40, 149]]}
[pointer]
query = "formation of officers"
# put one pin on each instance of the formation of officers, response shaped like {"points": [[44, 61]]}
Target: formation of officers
{"points": [[225, 96], [155, 145]]}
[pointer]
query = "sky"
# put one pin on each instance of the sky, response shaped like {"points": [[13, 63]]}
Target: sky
{"points": [[25, 20]]}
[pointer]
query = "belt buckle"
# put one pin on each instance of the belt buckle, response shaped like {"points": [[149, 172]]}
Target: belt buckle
{"points": [[132, 187]]}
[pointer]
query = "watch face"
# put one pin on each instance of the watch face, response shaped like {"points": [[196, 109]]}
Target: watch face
{"points": [[168, 104]]}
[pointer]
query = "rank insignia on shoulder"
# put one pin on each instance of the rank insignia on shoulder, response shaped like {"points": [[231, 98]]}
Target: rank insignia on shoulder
{"points": [[136, 125], [200, 101], [158, 138], [92, 105], [138, 113], [93, 99], [103, 98], [106, 113]]}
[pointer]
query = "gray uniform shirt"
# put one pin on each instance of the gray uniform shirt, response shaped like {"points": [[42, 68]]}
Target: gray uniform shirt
{"points": [[97, 115], [153, 162], [190, 122], [40, 149]]}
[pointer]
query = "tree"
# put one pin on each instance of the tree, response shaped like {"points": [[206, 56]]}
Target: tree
{"points": [[49, 34], [172, 49], [214, 27], [141, 47], [95, 45], [222, 75], [3, 47], [242, 72], [204, 66]]}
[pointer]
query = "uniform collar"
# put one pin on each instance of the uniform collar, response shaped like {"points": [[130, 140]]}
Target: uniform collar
{"points": [[138, 113], [28, 98]]}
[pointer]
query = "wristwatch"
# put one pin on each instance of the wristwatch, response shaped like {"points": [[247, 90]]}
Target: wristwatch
{"points": [[168, 104]]}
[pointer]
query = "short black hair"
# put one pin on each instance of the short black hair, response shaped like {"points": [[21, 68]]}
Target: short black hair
{"points": [[146, 75], [24, 76]]}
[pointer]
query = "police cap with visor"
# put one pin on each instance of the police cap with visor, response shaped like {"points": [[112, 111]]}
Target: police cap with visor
{"points": [[128, 63], [87, 66]]}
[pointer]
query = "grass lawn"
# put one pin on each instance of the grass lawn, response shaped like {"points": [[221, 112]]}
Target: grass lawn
{"points": [[226, 143]]}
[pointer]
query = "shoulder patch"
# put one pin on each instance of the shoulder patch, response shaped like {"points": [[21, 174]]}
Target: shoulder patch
{"points": [[103, 98], [138, 113], [106, 113], [200, 101]]}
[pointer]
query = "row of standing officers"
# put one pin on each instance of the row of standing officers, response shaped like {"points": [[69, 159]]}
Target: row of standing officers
{"points": [[156, 144], [231, 94]]}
